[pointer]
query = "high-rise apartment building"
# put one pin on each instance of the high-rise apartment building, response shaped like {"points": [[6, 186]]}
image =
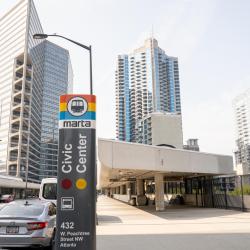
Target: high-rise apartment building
{"points": [[241, 105], [33, 73], [147, 80]]}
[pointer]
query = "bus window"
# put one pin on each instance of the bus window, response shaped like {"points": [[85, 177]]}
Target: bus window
{"points": [[49, 191]]}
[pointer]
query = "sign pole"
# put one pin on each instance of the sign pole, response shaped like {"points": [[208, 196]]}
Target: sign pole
{"points": [[76, 190]]}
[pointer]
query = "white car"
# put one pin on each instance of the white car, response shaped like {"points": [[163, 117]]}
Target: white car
{"points": [[6, 198]]}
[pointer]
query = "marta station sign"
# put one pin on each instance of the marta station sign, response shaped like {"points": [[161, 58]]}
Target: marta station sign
{"points": [[76, 192]]}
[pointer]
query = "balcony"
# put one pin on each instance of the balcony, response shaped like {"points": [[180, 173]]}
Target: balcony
{"points": [[16, 102], [25, 128], [27, 90], [18, 93], [17, 90], [15, 122], [19, 75], [25, 115], [14, 145], [17, 108], [19, 62], [19, 69], [28, 78], [29, 67]]}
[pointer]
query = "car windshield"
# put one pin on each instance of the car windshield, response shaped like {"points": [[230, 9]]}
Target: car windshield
{"points": [[21, 210], [49, 191]]}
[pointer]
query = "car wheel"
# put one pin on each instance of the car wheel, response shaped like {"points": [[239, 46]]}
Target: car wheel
{"points": [[52, 244]]}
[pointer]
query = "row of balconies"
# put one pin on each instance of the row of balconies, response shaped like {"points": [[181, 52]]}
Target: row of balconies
{"points": [[16, 126], [132, 62], [16, 115], [14, 155], [20, 76], [18, 96], [18, 89], [19, 62], [14, 143]]}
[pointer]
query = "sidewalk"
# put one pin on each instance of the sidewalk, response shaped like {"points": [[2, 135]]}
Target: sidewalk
{"points": [[123, 227]]}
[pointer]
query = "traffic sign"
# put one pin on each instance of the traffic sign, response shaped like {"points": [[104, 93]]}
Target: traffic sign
{"points": [[76, 192]]}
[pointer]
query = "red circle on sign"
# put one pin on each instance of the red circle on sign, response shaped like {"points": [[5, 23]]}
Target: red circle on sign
{"points": [[66, 183]]}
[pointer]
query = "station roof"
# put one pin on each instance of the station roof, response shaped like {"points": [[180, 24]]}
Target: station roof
{"points": [[14, 182], [120, 162]]}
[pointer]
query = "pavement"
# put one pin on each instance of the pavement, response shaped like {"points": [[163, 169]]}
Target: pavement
{"points": [[124, 227]]}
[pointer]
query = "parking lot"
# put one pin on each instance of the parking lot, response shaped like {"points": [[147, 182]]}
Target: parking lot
{"points": [[125, 227]]}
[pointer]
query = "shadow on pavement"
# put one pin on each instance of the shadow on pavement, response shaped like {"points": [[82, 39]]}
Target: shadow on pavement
{"points": [[108, 219], [188, 213]]}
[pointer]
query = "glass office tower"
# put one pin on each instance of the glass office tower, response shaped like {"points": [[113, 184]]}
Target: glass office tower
{"points": [[23, 85], [147, 81], [57, 78]]}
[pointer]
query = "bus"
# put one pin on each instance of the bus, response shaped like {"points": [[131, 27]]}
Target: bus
{"points": [[48, 190]]}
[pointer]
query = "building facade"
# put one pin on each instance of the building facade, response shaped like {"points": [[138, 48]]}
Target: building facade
{"points": [[147, 80], [57, 80], [24, 82], [241, 105], [161, 129]]}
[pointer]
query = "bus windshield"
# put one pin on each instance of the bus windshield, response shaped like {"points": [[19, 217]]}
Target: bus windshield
{"points": [[49, 191]]}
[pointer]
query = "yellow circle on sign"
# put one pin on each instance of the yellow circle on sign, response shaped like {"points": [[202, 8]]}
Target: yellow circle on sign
{"points": [[81, 184]]}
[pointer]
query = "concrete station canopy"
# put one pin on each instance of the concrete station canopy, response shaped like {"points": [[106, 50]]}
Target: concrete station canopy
{"points": [[123, 161], [15, 182]]}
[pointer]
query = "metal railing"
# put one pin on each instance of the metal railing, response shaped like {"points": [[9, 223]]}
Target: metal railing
{"points": [[228, 192]]}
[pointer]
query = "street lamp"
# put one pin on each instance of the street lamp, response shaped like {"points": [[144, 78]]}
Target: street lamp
{"points": [[44, 36], [85, 171]]}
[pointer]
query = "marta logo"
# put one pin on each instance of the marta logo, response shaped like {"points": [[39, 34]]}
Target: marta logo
{"points": [[77, 106]]}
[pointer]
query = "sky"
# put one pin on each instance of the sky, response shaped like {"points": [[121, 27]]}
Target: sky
{"points": [[211, 39]]}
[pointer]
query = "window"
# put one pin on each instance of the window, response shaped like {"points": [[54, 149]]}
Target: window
{"points": [[49, 191], [16, 210]]}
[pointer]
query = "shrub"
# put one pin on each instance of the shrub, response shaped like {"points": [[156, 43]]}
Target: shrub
{"points": [[237, 191]]}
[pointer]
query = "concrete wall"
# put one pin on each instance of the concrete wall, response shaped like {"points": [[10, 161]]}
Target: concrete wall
{"points": [[167, 129], [121, 197], [247, 202]]}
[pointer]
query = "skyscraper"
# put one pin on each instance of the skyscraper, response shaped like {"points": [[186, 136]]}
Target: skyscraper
{"points": [[57, 80], [147, 80], [241, 105], [28, 69]]}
